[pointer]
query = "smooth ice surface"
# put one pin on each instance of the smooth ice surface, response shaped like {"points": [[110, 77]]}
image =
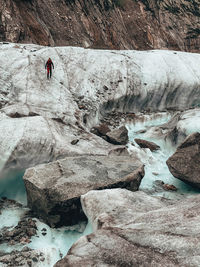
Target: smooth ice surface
{"points": [[155, 162]]}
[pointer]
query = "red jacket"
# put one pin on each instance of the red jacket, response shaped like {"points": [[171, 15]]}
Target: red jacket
{"points": [[49, 64]]}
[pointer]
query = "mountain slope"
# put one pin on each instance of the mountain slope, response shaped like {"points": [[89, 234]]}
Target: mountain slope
{"points": [[115, 24]]}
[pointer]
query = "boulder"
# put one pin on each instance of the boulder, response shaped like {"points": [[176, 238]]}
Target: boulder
{"points": [[147, 144], [54, 189], [184, 164], [135, 229], [118, 136], [100, 130]]}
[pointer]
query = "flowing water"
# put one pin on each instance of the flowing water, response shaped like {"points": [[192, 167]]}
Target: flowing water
{"points": [[155, 162]]}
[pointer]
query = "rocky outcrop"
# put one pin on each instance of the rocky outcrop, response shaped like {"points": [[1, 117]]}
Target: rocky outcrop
{"points": [[115, 24], [135, 229], [184, 164], [147, 144], [54, 189], [118, 136]]}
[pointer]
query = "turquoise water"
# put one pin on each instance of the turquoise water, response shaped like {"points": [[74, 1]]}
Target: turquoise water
{"points": [[12, 187]]}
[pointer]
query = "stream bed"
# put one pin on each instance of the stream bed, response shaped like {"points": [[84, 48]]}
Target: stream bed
{"points": [[52, 244], [156, 168]]}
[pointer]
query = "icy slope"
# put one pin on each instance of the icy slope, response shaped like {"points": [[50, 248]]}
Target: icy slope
{"points": [[86, 84]]}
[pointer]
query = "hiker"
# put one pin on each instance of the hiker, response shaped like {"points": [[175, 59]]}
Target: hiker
{"points": [[49, 66]]}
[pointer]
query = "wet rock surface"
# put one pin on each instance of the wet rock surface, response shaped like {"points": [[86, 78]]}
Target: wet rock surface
{"points": [[184, 164], [26, 257], [133, 228], [146, 144], [54, 189], [20, 234]]}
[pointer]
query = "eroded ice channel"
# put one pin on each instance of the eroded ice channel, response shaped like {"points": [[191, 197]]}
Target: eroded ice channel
{"points": [[54, 244], [155, 162]]}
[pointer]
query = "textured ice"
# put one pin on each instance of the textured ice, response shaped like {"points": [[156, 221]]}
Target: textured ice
{"points": [[189, 121], [135, 81]]}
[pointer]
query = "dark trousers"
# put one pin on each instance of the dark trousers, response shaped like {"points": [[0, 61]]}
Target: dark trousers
{"points": [[49, 72]]}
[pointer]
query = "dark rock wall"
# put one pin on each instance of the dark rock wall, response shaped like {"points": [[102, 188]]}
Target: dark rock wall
{"points": [[115, 24]]}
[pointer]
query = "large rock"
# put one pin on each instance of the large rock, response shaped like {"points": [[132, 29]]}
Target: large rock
{"points": [[118, 136], [135, 229], [147, 144], [54, 189], [184, 164]]}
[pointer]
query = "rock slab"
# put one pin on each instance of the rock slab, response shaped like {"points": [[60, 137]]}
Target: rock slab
{"points": [[136, 229], [184, 164], [54, 189]]}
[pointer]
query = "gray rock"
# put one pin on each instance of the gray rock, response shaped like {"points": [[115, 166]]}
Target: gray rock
{"points": [[118, 136], [119, 151], [135, 229], [54, 189], [184, 164]]}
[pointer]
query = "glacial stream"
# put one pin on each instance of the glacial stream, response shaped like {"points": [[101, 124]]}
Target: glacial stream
{"points": [[155, 162], [56, 242]]}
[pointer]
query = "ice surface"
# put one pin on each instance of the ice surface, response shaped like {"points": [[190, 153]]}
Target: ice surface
{"points": [[189, 122]]}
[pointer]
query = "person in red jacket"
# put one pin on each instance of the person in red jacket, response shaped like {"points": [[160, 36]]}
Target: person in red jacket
{"points": [[49, 64]]}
